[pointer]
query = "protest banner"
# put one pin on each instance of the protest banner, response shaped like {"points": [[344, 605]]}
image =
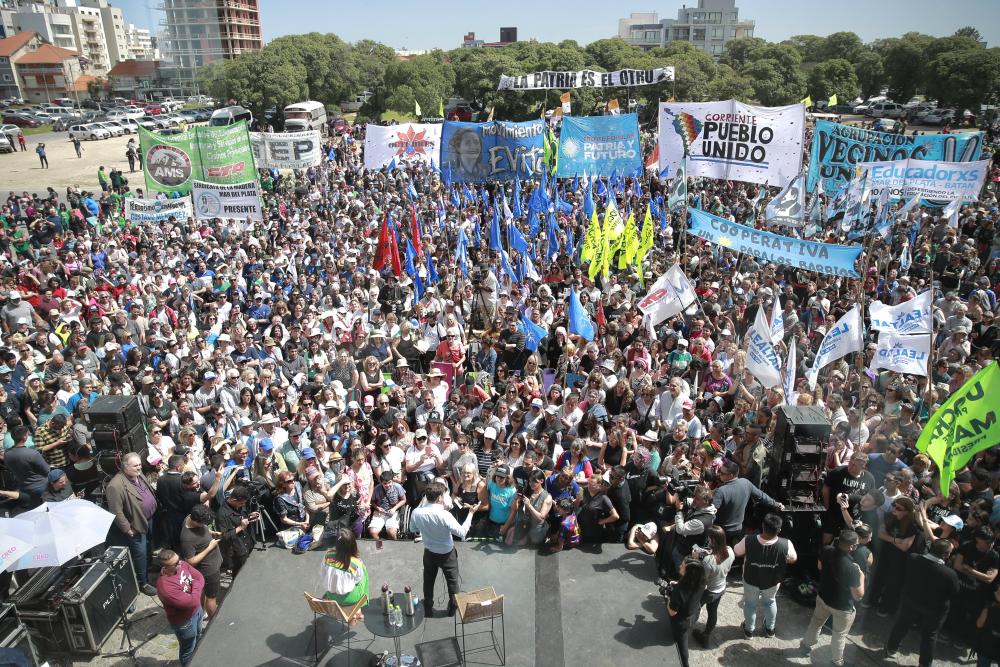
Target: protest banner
{"points": [[287, 150], [406, 142], [599, 146], [762, 359], [834, 260], [844, 338], [586, 79], [668, 296], [213, 154], [907, 353], [909, 317], [494, 151], [837, 150], [156, 211], [732, 140], [963, 426], [239, 201], [927, 179]]}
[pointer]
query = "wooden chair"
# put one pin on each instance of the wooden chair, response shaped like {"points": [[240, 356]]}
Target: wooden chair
{"points": [[480, 606], [331, 609]]}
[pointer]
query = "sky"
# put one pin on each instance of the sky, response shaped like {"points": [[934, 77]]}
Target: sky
{"points": [[442, 23]]}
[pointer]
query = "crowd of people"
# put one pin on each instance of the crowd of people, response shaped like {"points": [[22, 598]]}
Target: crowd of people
{"points": [[289, 388]]}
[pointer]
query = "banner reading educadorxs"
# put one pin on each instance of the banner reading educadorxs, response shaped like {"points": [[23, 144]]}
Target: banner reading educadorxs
{"points": [[407, 142], [238, 202], [156, 211], [732, 140], [287, 150], [213, 154], [599, 146], [834, 260], [837, 150], [586, 79], [494, 151], [928, 179]]}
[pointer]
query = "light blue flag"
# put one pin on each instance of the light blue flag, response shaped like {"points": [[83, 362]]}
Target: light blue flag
{"points": [[432, 274], [533, 333], [534, 224], [409, 264], [588, 201], [392, 165], [518, 210], [505, 264], [495, 241], [517, 240], [332, 155], [462, 252], [579, 323], [411, 191], [552, 237]]}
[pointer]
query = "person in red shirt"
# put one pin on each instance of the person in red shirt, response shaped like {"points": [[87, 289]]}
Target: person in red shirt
{"points": [[179, 589]]}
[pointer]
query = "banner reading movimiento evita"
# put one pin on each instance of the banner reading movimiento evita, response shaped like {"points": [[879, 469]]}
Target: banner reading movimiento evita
{"points": [[837, 150], [599, 146], [586, 79], [834, 260], [213, 154], [494, 151], [732, 140]]}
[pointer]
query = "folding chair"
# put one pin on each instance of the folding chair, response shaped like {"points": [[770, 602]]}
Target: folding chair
{"points": [[332, 609], [479, 606]]}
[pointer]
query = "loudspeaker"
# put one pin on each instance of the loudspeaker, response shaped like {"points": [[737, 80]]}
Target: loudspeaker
{"points": [[115, 413], [800, 435], [807, 423], [124, 441]]}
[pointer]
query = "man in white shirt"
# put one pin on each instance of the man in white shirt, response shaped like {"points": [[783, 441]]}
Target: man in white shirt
{"points": [[671, 401], [437, 526]]}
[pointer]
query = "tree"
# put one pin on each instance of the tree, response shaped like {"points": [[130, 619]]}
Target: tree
{"points": [[613, 54], [740, 51], [833, 77], [211, 79], [810, 47], [97, 88], [693, 69], [870, 73], [728, 84], [844, 45], [265, 78], [969, 31], [965, 79], [904, 64]]}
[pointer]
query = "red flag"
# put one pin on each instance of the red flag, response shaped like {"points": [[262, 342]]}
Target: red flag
{"points": [[397, 265], [653, 160], [415, 232], [601, 320], [384, 246]]}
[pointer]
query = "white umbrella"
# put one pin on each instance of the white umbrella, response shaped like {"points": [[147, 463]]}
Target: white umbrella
{"points": [[17, 539], [64, 530]]}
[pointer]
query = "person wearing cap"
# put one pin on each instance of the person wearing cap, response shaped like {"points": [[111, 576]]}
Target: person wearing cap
{"points": [[15, 309], [421, 460], [387, 499], [842, 583]]}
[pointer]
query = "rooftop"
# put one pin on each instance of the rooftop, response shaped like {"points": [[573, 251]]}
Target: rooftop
{"points": [[47, 54], [10, 45]]}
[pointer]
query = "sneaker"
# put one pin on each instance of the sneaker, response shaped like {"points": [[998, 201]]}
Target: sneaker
{"points": [[769, 633], [418, 538], [701, 638], [149, 590], [747, 634], [804, 650]]}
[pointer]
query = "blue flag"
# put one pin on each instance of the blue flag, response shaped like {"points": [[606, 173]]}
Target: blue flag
{"points": [[446, 175], [588, 201], [563, 206], [411, 191], [411, 254], [553, 237], [477, 234], [432, 274], [485, 197], [505, 263], [332, 155], [518, 210], [462, 252], [392, 164], [602, 190], [495, 241], [534, 224], [517, 240], [533, 333], [571, 245], [579, 323]]}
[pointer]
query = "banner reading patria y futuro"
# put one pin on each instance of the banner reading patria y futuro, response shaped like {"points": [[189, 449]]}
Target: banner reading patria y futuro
{"points": [[732, 140], [599, 146], [586, 79], [406, 142]]}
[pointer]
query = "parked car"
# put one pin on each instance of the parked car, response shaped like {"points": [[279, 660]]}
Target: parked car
{"points": [[153, 122], [6, 145], [939, 117], [341, 126], [154, 108], [886, 110], [131, 125], [888, 125], [12, 131], [20, 120], [115, 127], [91, 131], [172, 130]]}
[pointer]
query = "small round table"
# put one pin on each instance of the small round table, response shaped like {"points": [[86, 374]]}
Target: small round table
{"points": [[378, 622]]}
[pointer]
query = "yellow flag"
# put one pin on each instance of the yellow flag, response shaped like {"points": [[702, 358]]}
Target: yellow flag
{"points": [[808, 101], [598, 247], [614, 227], [416, 108], [646, 240], [630, 242], [592, 240], [832, 101]]}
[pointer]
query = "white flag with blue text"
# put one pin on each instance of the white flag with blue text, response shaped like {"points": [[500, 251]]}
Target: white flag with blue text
{"points": [[844, 338]]}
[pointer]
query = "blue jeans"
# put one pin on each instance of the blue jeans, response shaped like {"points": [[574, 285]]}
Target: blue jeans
{"points": [[751, 596], [188, 635], [138, 548]]}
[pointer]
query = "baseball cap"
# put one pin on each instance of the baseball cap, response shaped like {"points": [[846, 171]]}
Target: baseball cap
{"points": [[266, 445], [537, 403], [294, 430], [503, 470], [55, 474], [420, 433], [490, 433], [308, 453]]}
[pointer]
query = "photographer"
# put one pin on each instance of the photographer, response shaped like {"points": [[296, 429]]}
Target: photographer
{"points": [[484, 285], [690, 530], [234, 522]]}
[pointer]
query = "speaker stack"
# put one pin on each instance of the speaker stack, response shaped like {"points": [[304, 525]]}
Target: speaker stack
{"points": [[800, 436], [117, 426]]}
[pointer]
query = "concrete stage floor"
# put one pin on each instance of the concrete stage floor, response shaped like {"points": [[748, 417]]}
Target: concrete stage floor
{"points": [[591, 608]]}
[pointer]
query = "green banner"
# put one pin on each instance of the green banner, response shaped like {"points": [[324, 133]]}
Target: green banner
{"points": [[219, 155], [964, 425]]}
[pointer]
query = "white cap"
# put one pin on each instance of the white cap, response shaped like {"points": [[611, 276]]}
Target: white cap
{"points": [[490, 433]]}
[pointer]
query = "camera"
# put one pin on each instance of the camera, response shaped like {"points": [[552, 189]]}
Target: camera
{"points": [[682, 488]]}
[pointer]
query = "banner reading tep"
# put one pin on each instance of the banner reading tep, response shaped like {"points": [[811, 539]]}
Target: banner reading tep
{"points": [[288, 150], [586, 79], [145, 211], [237, 202], [494, 151], [599, 145], [834, 260], [407, 142], [928, 179], [732, 140]]}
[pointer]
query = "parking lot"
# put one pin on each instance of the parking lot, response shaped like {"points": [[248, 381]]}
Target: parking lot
{"points": [[23, 172]]}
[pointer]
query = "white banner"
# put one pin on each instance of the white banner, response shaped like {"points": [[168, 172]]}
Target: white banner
{"points": [[762, 359], [909, 317], [586, 79], [143, 211], [668, 296], [287, 150], [732, 140], [903, 354], [407, 142], [791, 364], [777, 322], [845, 337], [788, 207], [237, 202], [929, 179]]}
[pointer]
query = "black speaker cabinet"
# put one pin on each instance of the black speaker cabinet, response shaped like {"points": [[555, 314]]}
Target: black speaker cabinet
{"points": [[807, 423], [115, 413], [123, 441], [800, 436]]}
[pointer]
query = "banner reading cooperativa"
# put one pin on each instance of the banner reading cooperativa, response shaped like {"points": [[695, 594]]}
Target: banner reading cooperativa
{"points": [[927, 179], [238, 202], [599, 146], [732, 140], [838, 149], [493, 151], [156, 211], [407, 142], [586, 79], [835, 260], [287, 150]]}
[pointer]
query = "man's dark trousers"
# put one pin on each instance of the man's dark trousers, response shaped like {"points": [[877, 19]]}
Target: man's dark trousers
{"points": [[448, 563], [928, 622]]}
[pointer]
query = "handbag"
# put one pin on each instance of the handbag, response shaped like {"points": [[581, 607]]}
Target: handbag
{"points": [[289, 538]]}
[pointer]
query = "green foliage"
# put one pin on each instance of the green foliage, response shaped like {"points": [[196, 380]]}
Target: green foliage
{"points": [[845, 45], [969, 31], [965, 79], [870, 72], [833, 77], [729, 84]]}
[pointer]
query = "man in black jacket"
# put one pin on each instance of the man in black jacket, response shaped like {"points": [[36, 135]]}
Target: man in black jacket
{"points": [[235, 524], [928, 590]]}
